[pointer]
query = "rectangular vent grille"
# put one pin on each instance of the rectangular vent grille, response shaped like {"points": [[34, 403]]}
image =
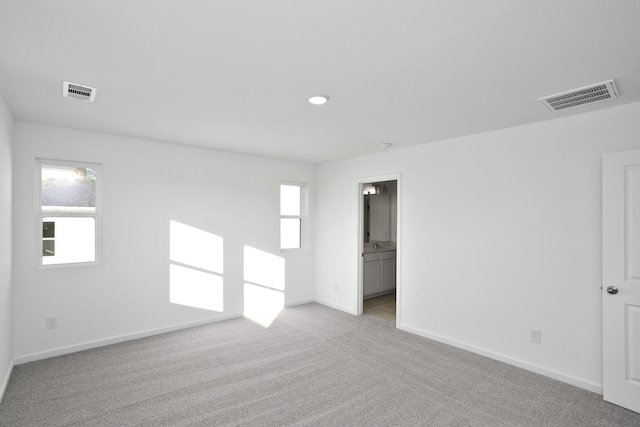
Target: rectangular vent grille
{"points": [[584, 95], [76, 91]]}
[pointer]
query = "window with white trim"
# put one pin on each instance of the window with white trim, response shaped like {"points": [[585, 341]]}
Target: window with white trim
{"points": [[291, 198], [68, 213]]}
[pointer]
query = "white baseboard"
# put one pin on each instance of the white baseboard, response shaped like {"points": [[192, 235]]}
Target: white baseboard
{"points": [[117, 339], [336, 306], [299, 302], [596, 388], [5, 381]]}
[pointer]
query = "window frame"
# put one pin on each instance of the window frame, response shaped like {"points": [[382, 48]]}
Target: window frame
{"points": [[302, 217], [40, 214]]}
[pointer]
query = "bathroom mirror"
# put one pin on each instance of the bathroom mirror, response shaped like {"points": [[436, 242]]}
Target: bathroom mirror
{"points": [[379, 217], [379, 222]]}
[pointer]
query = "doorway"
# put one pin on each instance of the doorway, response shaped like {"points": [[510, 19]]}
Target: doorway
{"points": [[378, 250]]}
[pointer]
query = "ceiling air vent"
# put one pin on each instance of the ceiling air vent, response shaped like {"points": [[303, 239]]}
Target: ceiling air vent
{"points": [[83, 93], [584, 95]]}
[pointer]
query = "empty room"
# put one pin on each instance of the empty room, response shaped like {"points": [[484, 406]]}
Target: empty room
{"points": [[337, 213]]}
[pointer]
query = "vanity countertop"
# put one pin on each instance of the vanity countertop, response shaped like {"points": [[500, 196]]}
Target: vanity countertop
{"points": [[384, 248]]}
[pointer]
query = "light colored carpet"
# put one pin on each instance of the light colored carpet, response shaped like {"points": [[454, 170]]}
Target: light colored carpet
{"points": [[313, 366]]}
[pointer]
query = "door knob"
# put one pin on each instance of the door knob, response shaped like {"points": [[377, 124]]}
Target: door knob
{"points": [[612, 290]]}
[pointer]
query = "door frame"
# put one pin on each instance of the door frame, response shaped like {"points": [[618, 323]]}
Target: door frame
{"points": [[360, 221]]}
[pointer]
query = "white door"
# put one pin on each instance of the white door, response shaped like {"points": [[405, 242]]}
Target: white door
{"points": [[621, 278]]}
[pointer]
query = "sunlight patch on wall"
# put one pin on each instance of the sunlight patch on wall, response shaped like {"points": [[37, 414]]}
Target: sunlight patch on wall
{"points": [[196, 267], [262, 305], [263, 268], [264, 276], [195, 288], [196, 248]]}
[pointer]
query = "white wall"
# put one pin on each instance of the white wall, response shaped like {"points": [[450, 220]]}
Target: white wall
{"points": [[145, 185], [500, 233], [6, 311]]}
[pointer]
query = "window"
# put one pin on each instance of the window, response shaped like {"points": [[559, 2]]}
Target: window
{"points": [[68, 214], [291, 216]]}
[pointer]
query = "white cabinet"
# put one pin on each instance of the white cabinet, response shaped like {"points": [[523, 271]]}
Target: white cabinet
{"points": [[379, 272], [387, 274], [371, 274]]}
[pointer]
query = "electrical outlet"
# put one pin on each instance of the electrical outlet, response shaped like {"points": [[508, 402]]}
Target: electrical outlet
{"points": [[335, 286], [52, 322], [534, 335]]}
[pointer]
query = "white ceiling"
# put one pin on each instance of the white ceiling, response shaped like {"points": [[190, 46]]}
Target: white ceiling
{"points": [[235, 75]]}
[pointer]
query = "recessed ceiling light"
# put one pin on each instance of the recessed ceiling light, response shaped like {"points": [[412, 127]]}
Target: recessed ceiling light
{"points": [[319, 99]]}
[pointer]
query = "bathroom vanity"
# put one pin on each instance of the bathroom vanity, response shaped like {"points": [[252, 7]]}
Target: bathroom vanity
{"points": [[379, 271]]}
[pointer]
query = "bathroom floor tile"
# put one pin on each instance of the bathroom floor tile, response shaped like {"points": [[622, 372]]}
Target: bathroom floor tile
{"points": [[382, 307]]}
